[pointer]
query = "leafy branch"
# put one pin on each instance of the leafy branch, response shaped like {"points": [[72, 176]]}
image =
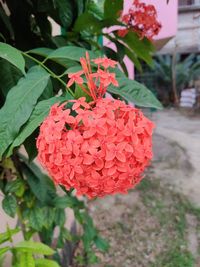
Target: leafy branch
{"points": [[53, 75]]}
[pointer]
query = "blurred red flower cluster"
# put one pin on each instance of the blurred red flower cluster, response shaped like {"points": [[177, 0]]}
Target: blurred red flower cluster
{"points": [[98, 148], [142, 19]]}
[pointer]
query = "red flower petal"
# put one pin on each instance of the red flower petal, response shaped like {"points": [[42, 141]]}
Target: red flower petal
{"points": [[121, 157], [88, 160], [110, 155]]}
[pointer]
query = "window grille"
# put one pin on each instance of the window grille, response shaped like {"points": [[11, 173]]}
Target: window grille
{"points": [[189, 3]]}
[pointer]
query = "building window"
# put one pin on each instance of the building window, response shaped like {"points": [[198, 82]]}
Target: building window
{"points": [[184, 3]]}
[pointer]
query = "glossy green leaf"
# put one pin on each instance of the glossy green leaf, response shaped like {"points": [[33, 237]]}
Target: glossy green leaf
{"points": [[19, 105], [67, 202], [46, 263], [63, 202], [40, 111], [112, 8], [30, 145], [9, 76], [6, 236], [60, 217], [48, 91], [88, 22], [49, 215], [12, 55], [42, 51], [134, 92], [40, 184], [66, 234], [70, 52], [34, 247], [36, 218], [133, 57], [96, 8], [80, 4], [80, 93], [65, 9], [26, 260], [142, 48], [9, 204], [15, 186]]}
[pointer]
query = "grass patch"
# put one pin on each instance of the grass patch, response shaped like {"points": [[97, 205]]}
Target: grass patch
{"points": [[175, 258], [170, 209]]}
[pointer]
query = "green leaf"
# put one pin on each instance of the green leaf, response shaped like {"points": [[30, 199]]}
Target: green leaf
{"points": [[132, 56], [9, 76], [67, 201], [46, 263], [48, 91], [12, 55], [19, 104], [15, 186], [6, 236], [80, 93], [34, 247], [4, 250], [60, 217], [49, 215], [36, 218], [42, 51], [134, 92], [30, 145], [80, 6], [39, 184], [65, 9], [9, 205], [101, 244], [66, 234], [112, 8], [88, 22], [96, 9], [70, 52], [26, 260], [142, 48], [39, 113]]}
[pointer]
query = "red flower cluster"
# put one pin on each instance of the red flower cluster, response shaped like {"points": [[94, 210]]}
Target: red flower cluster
{"points": [[98, 148], [103, 150], [142, 19]]}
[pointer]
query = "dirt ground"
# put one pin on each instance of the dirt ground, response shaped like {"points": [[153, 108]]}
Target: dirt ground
{"points": [[158, 223]]}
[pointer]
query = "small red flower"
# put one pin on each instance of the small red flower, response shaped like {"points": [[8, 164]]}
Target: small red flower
{"points": [[142, 19], [105, 62], [75, 78]]}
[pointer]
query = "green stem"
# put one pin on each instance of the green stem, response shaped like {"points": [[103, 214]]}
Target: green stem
{"points": [[20, 222], [53, 75]]}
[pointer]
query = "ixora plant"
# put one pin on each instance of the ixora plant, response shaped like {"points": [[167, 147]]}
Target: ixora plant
{"points": [[53, 108]]}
